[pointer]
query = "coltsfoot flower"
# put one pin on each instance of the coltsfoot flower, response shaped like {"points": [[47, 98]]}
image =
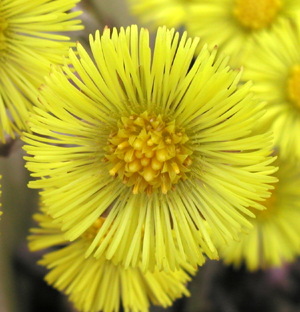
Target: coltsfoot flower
{"points": [[159, 145], [275, 71], [29, 43], [171, 13], [232, 23], [97, 284], [275, 237]]}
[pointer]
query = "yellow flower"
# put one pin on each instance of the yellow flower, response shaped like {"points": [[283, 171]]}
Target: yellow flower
{"points": [[29, 42], [232, 23], [160, 146], [275, 70], [172, 13], [275, 237], [97, 284]]}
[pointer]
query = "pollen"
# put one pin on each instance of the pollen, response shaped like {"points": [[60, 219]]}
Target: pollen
{"points": [[294, 86], [256, 14], [149, 153]]}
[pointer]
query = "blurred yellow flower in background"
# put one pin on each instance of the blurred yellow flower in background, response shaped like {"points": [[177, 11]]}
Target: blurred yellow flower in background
{"points": [[231, 24], [275, 71], [97, 284], [159, 145], [29, 43], [154, 13], [275, 237]]}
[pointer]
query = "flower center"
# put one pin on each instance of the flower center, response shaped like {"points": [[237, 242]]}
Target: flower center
{"points": [[256, 14], [148, 153], [293, 86]]}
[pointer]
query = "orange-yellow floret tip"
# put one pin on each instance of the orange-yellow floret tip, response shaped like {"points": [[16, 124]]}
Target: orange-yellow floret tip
{"points": [[92, 231]]}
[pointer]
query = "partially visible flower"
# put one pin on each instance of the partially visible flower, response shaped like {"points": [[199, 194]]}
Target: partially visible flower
{"points": [[275, 237], [171, 13], [98, 284], [231, 24], [29, 43], [275, 71], [160, 146]]}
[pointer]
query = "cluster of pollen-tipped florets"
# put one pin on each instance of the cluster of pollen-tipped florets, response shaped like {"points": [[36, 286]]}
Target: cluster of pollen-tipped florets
{"points": [[148, 153], [256, 14]]}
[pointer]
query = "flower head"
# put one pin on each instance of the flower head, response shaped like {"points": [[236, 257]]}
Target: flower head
{"points": [[172, 13], [232, 23], [275, 237], [275, 71], [98, 284], [29, 43], [162, 148]]}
